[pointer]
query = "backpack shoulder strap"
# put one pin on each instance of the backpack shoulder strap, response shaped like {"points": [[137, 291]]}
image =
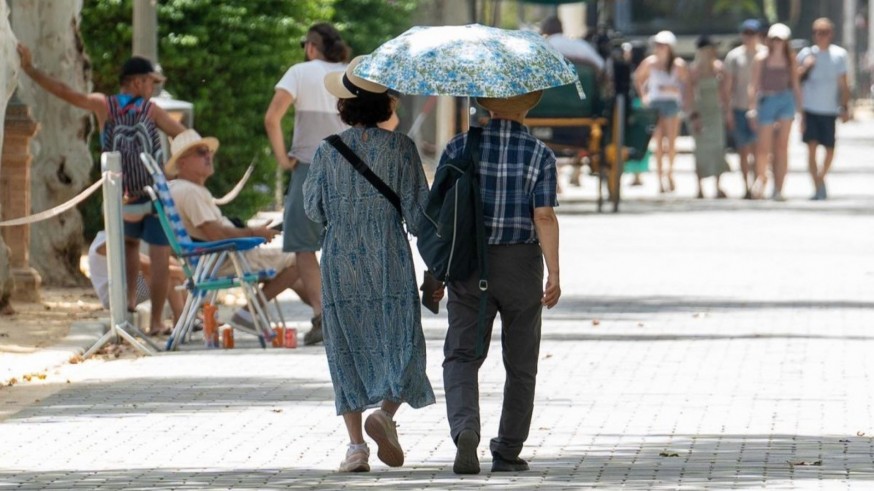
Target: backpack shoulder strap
{"points": [[365, 171], [472, 155]]}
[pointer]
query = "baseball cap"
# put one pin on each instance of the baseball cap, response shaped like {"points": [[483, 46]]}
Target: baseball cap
{"points": [[138, 65], [751, 25], [665, 37], [704, 40], [780, 31]]}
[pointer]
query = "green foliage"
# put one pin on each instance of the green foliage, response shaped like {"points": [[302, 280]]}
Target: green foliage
{"points": [[225, 57], [365, 24]]}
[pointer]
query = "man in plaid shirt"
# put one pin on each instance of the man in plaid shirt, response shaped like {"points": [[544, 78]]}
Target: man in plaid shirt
{"points": [[518, 185]]}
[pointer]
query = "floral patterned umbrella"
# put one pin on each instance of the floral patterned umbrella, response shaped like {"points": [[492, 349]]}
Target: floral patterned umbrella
{"points": [[472, 60]]}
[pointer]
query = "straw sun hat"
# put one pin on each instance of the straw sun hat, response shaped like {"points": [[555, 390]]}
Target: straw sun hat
{"points": [[511, 105], [347, 85], [183, 141]]}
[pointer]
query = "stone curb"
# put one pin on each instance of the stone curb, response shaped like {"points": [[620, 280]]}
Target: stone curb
{"points": [[82, 335]]}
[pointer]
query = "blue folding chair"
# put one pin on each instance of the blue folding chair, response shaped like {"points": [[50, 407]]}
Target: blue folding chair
{"points": [[201, 262]]}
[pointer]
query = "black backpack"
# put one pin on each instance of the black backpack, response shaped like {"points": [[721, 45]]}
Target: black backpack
{"points": [[130, 130], [452, 237]]}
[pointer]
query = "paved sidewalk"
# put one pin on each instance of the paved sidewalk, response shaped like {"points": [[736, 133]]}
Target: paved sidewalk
{"points": [[698, 345]]}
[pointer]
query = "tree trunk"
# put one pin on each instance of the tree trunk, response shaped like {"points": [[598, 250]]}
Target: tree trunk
{"points": [[8, 72], [61, 160]]}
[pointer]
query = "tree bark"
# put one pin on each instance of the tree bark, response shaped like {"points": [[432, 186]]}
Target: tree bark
{"points": [[8, 74], [61, 160]]}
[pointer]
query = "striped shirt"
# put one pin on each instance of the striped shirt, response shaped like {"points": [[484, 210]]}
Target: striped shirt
{"points": [[517, 173]]}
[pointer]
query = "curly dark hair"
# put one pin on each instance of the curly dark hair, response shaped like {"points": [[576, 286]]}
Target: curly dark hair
{"points": [[367, 110], [328, 41]]}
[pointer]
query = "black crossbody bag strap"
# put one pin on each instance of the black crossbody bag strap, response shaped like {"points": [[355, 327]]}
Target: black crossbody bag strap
{"points": [[365, 171]]}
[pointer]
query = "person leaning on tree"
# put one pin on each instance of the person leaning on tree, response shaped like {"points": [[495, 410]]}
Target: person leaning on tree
{"points": [[137, 80]]}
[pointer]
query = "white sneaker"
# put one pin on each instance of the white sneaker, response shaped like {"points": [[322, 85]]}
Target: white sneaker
{"points": [[381, 427], [356, 460]]}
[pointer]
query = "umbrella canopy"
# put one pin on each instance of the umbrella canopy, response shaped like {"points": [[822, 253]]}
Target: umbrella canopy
{"points": [[472, 60]]}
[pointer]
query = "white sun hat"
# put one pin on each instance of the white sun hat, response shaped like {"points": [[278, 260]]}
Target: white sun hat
{"points": [[665, 37]]}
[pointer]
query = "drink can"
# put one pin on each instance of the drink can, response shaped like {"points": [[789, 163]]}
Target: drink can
{"points": [[210, 326], [290, 337], [228, 337], [279, 336]]}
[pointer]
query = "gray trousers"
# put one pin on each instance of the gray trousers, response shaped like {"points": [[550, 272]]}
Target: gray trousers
{"points": [[515, 290]]}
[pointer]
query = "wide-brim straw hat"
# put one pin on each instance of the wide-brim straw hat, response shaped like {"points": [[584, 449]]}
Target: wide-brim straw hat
{"points": [[183, 141], [347, 85], [511, 105]]}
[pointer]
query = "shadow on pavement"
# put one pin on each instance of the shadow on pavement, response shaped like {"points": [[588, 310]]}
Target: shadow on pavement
{"points": [[640, 462], [571, 306]]}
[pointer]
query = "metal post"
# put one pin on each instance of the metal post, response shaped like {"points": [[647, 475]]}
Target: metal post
{"points": [[110, 164], [849, 37], [145, 27]]}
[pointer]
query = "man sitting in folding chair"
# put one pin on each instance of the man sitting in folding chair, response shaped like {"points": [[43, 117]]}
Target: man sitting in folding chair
{"points": [[191, 161]]}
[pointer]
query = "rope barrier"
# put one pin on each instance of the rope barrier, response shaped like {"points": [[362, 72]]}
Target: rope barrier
{"points": [[144, 208], [57, 210]]}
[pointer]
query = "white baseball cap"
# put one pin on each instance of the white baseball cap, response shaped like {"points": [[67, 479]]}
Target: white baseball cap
{"points": [[780, 31], [665, 37]]}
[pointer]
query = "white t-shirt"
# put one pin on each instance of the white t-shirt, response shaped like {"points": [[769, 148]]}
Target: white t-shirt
{"points": [[315, 109], [739, 66], [195, 205], [820, 92]]}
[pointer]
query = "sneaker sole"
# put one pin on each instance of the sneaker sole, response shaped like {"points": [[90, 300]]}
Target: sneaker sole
{"points": [[466, 461], [363, 467], [388, 451]]}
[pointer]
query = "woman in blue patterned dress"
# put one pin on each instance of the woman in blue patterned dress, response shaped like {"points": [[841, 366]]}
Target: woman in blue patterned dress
{"points": [[371, 316]]}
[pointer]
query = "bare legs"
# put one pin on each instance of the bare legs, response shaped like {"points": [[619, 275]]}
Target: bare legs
{"points": [[746, 168], [353, 421], [765, 142], [817, 174], [773, 141], [311, 276], [781, 156], [666, 137]]}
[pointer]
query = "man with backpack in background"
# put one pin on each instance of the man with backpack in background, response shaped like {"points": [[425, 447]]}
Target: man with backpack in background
{"points": [[128, 123], [826, 95], [517, 183]]}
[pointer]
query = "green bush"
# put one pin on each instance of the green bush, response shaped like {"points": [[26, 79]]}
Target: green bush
{"points": [[225, 57]]}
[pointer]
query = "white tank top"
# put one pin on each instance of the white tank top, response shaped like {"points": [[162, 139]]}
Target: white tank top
{"points": [[663, 86]]}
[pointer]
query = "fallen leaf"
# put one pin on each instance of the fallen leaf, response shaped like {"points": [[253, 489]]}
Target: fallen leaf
{"points": [[76, 359], [276, 410], [805, 462], [668, 454], [26, 377], [843, 441], [4, 335], [548, 355], [68, 381], [696, 315], [41, 376], [47, 307], [860, 433], [12, 382], [640, 324], [596, 322]]}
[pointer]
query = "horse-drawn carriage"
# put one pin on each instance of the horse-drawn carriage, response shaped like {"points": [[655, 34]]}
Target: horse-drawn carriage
{"points": [[592, 131]]}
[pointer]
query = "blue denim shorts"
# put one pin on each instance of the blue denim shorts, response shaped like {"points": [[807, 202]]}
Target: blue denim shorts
{"points": [[667, 108], [776, 107], [743, 135], [148, 229]]}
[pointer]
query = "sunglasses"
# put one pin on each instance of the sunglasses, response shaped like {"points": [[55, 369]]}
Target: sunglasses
{"points": [[749, 33], [303, 43], [199, 151], [822, 32]]}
